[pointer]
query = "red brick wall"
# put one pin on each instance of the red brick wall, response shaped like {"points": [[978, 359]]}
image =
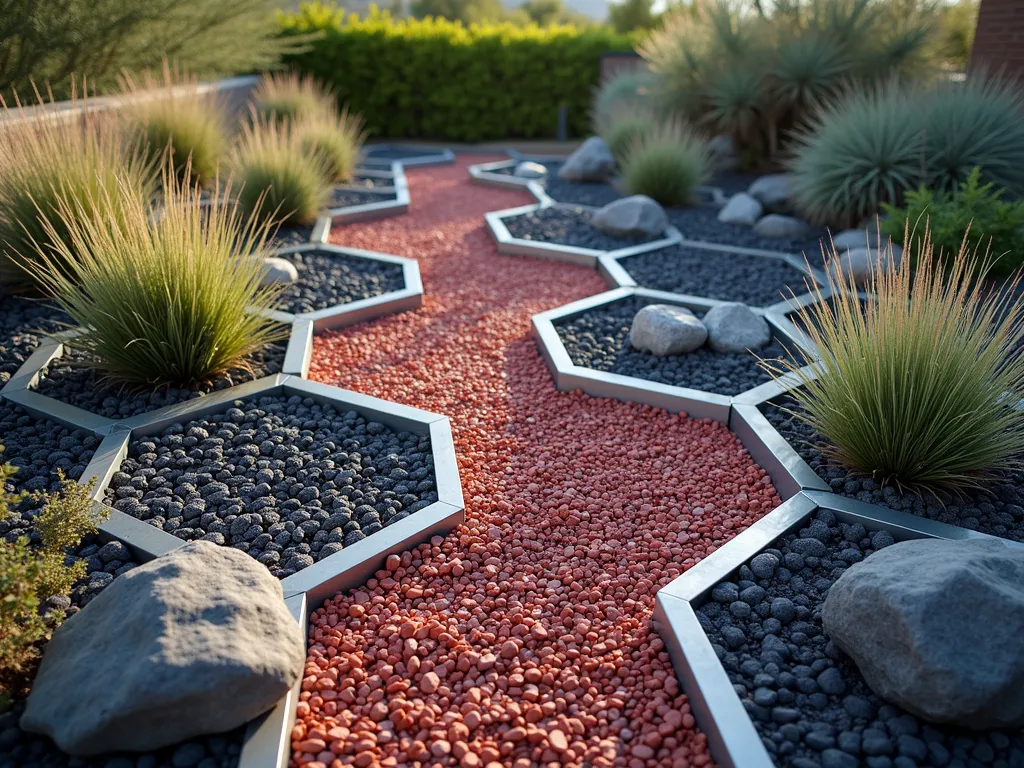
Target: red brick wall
{"points": [[999, 41]]}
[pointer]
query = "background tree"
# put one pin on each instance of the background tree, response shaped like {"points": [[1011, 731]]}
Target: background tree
{"points": [[546, 12], [957, 24], [466, 11], [629, 15]]}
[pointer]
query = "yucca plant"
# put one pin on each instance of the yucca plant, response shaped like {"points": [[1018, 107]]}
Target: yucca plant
{"points": [[288, 97], [337, 139], [667, 164], [172, 299], [45, 161], [855, 155], [281, 180], [919, 388], [174, 122]]}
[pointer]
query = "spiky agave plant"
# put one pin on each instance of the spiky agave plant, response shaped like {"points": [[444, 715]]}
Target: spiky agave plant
{"points": [[176, 123], [172, 299], [337, 139], [43, 161], [289, 97], [667, 164], [921, 387]]}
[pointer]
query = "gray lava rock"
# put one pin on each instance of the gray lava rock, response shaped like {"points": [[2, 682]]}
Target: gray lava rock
{"points": [[663, 329], [197, 641], [276, 270], [776, 225], [736, 328], [741, 209], [633, 216], [530, 170], [592, 161], [935, 627], [772, 192]]}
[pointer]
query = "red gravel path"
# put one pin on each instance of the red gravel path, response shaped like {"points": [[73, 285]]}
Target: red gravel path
{"points": [[524, 637]]}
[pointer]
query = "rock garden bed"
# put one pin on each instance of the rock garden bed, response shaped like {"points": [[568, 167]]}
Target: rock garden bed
{"points": [[567, 226], [998, 511], [599, 339], [70, 380], [347, 196], [701, 223], [285, 479], [753, 280], [289, 236], [808, 701], [327, 279], [23, 325]]}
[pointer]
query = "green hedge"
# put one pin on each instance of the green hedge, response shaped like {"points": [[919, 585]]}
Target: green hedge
{"points": [[437, 79]]}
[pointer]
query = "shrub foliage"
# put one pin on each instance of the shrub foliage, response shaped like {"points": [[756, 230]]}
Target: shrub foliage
{"points": [[667, 163]]}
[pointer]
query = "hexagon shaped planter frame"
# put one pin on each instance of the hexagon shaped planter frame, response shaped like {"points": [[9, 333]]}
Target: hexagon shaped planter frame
{"points": [[366, 211], [732, 737], [428, 156], [484, 173], [587, 257], [569, 376]]}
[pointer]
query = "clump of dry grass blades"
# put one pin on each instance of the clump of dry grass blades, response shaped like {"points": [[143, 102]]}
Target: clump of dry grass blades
{"points": [[287, 97]]}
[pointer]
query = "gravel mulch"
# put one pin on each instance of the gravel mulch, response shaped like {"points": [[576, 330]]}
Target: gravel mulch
{"points": [[701, 223], [753, 280], [733, 182], [599, 339], [807, 699], [327, 279], [400, 153], [567, 226], [288, 236], [40, 447], [285, 479], [999, 511], [70, 380], [23, 325], [347, 197]]}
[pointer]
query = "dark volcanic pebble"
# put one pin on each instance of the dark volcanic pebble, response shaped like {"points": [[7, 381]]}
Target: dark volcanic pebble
{"points": [[345, 198], [597, 194], [733, 182], [286, 237], [567, 226], [69, 380], [808, 701], [701, 223], [400, 152], [285, 479], [753, 280], [327, 279], [23, 324], [999, 512], [599, 339]]}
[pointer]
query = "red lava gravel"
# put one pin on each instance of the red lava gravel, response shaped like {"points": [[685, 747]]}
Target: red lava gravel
{"points": [[524, 637]]}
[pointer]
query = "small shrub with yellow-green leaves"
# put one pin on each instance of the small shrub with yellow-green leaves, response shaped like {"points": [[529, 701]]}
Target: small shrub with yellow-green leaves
{"points": [[919, 388], [287, 97], [667, 164], [336, 139]]}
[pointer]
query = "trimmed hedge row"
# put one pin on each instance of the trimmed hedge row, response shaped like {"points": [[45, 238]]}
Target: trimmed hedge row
{"points": [[437, 79]]}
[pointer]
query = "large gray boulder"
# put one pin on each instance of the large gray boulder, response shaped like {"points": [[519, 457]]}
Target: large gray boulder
{"points": [[741, 209], [592, 161], [734, 328], [198, 641], [664, 329], [633, 216], [776, 225], [937, 627], [773, 192]]}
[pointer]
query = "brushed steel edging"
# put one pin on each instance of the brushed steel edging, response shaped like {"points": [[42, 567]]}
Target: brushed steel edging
{"points": [[430, 156], [299, 353]]}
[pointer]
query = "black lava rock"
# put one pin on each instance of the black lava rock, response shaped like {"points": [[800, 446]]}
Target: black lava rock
{"points": [[285, 479], [567, 226], [347, 198], [289, 236], [807, 700], [998, 509], [701, 223], [754, 280], [71, 380], [599, 339], [327, 279], [23, 325]]}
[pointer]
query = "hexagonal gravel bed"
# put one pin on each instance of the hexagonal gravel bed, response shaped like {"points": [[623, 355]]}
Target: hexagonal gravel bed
{"points": [[753, 280], [806, 698], [701, 223], [24, 324], [327, 279], [71, 380], [288, 480], [567, 226], [998, 510], [599, 339]]}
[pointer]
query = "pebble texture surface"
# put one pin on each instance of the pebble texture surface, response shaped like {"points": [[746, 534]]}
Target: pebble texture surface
{"points": [[809, 703], [599, 339], [998, 510], [328, 279], [754, 280], [285, 479], [345, 198], [701, 223], [24, 324], [568, 226], [524, 637], [70, 380]]}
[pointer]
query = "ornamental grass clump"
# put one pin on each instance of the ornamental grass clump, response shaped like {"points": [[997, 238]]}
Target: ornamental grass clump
{"points": [[45, 161], [174, 122], [667, 164], [623, 128], [280, 180], [289, 98], [920, 389], [170, 299], [337, 139]]}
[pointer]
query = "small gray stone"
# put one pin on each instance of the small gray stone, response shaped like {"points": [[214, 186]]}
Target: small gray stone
{"points": [[783, 609], [831, 682], [849, 239], [592, 161], [734, 328], [633, 216], [772, 192], [764, 565], [665, 329], [278, 271], [726, 592], [529, 170], [777, 225], [741, 209]]}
